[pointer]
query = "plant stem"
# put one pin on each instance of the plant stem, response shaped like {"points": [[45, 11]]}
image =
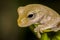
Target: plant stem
{"points": [[44, 36]]}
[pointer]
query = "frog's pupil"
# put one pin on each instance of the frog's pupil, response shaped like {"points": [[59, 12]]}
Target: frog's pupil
{"points": [[31, 15]]}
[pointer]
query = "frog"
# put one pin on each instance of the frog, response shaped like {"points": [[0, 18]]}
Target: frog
{"points": [[44, 16]]}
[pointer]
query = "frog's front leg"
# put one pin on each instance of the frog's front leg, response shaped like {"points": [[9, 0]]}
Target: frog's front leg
{"points": [[38, 30], [42, 28], [57, 28]]}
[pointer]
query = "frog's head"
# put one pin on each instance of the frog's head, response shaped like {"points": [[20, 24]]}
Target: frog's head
{"points": [[28, 15]]}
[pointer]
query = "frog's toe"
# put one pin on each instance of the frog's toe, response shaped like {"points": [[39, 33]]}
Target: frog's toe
{"points": [[36, 29]]}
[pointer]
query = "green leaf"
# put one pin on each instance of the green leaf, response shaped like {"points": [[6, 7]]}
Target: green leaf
{"points": [[44, 36], [57, 36]]}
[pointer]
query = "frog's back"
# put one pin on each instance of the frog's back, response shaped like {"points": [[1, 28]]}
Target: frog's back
{"points": [[43, 7]]}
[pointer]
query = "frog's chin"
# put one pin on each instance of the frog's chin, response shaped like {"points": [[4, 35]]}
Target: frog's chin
{"points": [[24, 25]]}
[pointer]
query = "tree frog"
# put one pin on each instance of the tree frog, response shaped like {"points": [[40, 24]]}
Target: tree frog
{"points": [[45, 17]]}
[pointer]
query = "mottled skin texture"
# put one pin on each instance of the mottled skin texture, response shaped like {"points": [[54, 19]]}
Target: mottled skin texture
{"points": [[43, 15]]}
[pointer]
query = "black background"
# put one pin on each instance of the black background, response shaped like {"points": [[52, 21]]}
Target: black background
{"points": [[9, 29]]}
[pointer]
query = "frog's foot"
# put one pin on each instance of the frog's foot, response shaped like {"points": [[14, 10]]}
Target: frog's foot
{"points": [[39, 29]]}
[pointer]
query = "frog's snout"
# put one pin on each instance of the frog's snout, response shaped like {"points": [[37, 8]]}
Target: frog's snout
{"points": [[22, 22]]}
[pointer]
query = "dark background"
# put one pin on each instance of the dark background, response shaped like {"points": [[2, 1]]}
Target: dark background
{"points": [[9, 29]]}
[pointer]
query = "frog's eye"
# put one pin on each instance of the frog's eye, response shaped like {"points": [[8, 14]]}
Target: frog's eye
{"points": [[31, 16]]}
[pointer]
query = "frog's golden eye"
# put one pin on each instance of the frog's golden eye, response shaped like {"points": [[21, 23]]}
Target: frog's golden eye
{"points": [[31, 16]]}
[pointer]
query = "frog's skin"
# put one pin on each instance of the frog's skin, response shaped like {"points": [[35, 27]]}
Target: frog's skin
{"points": [[46, 17]]}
